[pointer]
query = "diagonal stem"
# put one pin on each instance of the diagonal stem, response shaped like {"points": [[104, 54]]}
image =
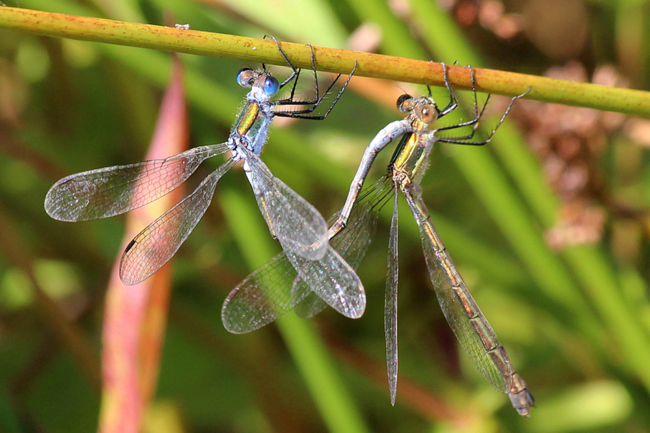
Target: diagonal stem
{"points": [[162, 38]]}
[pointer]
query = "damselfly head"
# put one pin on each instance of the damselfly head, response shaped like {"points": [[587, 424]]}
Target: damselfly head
{"points": [[425, 109], [263, 80]]}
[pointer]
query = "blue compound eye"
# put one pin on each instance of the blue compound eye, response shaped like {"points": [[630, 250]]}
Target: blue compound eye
{"points": [[245, 77], [271, 86]]}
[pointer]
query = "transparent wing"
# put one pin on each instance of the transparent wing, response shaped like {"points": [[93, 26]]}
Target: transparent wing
{"points": [[157, 243], [275, 288], [110, 191], [390, 303], [334, 281], [261, 298], [267, 293], [352, 242], [475, 334], [296, 224], [311, 305]]}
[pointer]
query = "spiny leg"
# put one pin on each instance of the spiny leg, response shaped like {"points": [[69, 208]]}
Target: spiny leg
{"points": [[315, 102], [464, 140], [296, 72], [453, 103]]}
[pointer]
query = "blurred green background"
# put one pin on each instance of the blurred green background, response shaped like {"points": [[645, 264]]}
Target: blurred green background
{"points": [[547, 224]]}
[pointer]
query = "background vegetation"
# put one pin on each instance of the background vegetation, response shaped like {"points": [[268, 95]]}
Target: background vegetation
{"points": [[548, 225]]}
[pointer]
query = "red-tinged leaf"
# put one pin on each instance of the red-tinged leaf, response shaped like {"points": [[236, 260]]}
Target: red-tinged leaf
{"points": [[135, 316]]}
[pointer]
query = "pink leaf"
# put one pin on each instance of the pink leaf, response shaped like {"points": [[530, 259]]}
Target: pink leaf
{"points": [[135, 316]]}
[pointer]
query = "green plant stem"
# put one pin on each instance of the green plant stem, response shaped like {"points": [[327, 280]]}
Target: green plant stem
{"points": [[327, 59]]}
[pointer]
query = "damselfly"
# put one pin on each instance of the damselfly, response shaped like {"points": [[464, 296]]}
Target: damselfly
{"points": [[355, 222], [105, 192]]}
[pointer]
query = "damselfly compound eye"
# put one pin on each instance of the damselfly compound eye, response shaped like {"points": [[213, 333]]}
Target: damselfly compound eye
{"points": [[404, 103], [429, 114], [271, 86], [245, 77]]}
